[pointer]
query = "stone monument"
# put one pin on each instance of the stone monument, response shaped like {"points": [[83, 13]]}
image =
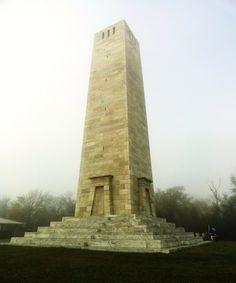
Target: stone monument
{"points": [[115, 202], [115, 172]]}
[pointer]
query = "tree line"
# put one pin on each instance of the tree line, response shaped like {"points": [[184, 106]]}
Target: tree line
{"points": [[37, 208], [196, 215]]}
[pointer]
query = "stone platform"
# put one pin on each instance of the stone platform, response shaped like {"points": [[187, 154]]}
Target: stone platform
{"points": [[111, 233]]}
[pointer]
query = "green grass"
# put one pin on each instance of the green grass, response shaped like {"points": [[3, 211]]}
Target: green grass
{"points": [[215, 262]]}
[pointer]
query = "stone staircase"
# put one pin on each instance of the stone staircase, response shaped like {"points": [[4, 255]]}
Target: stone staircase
{"points": [[111, 233]]}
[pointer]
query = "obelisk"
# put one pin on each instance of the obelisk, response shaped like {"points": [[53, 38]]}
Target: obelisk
{"points": [[115, 203], [115, 171]]}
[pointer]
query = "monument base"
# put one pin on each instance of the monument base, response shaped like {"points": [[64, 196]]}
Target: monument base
{"points": [[131, 233]]}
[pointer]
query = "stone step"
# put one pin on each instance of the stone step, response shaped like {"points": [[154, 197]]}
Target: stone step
{"points": [[41, 229], [151, 221], [104, 234], [100, 219], [170, 243], [91, 231], [185, 234], [161, 227], [98, 242], [180, 230], [163, 244], [106, 244], [113, 233], [189, 242], [106, 226], [30, 234], [115, 222], [161, 231], [69, 230], [102, 237], [121, 245], [74, 225], [162, 224], [80, 242], [45, 242], [183, 237], [165, 236]]}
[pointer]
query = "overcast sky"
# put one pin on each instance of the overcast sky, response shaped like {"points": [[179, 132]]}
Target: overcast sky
{"points": [[188, 51]]}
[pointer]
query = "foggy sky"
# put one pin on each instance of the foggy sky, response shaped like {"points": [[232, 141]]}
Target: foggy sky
{"points": [[188, 51]]}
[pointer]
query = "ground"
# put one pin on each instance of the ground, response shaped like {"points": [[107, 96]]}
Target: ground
{"points": [[214, 262]]}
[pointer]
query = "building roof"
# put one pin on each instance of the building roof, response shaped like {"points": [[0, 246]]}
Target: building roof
{"points": [[10, 222]]}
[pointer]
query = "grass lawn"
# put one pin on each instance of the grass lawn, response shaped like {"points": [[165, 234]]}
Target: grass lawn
{"points": [[215, 262]]}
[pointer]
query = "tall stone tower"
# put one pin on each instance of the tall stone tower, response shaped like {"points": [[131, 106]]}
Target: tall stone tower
{"points": [[115, 173], [115, 205]]}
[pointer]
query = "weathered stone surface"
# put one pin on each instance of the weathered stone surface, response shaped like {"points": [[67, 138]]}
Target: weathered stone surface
{"points": [[112, 233], [115, 171]]}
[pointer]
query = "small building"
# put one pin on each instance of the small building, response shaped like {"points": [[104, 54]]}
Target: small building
{"points": [[9, 228]]}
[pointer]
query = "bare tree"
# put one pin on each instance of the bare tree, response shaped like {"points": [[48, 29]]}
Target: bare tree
{"points": [[37, 208], [27, 207], [216, 194], [4, 205], [233, 182]]}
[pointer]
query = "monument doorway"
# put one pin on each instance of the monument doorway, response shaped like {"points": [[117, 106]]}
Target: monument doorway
{"points": [[98, 202], [100, 196], [148, 207], [146, 202]]}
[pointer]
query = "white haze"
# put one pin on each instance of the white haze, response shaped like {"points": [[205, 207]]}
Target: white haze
{"points": [[189, 67]]}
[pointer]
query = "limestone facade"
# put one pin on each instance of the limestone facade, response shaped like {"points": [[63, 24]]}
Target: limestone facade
{"points": [[115, 172]]}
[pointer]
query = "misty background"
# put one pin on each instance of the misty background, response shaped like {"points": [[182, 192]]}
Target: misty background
{"points": [[188, 51]]}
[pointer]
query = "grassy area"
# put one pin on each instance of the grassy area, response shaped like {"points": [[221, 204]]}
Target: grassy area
{"points": [[214, 262]]}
